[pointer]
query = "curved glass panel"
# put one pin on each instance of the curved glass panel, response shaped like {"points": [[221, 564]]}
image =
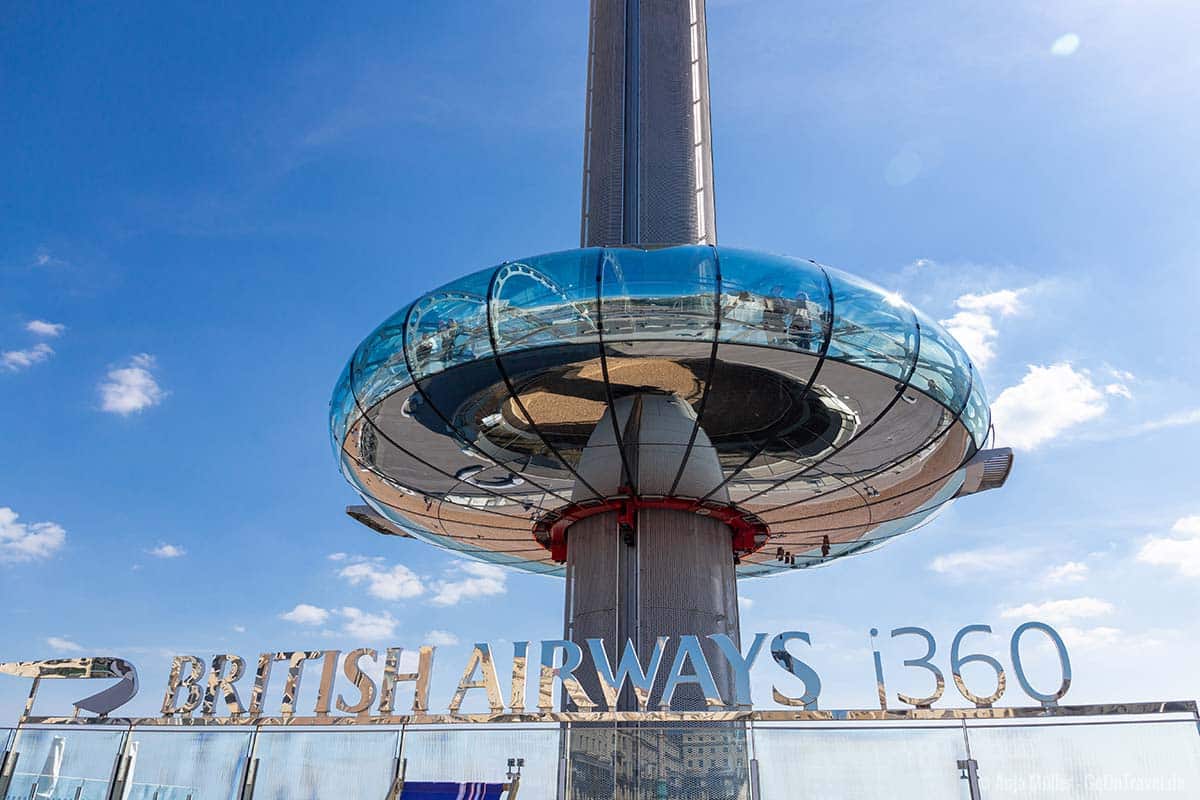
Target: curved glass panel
{"points": [[943, 368], [448, 326], [977, 416], [342, 409], [378, 367], [773, 300], [871, 328], [545, 301], [658, 294]]}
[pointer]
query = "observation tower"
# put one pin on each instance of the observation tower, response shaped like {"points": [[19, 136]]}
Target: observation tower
{"points": [[653, 416]]}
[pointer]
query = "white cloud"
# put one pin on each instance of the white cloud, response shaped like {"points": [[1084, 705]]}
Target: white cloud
{"points": [[1046, 402], [1118, 390], [1177, 420], [61, 645], [367, 627], [974, 325], [239, 628], [39, 327], [395, 583], [1070, 572], [16, 360], [976, 333], [481, 580], [131, 388], [745, 603], [997, 559], [1060, 610], [1181, 551], [336, 556], [1006, 302], [1089, 638], [1065, 45], [22, 542], [304, 614], [441, 638], [43, 258], [165, 550]]}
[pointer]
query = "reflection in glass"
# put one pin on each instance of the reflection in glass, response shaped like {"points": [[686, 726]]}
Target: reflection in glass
{"points": [[60, 763], [480, 754], [773, 300], [325, 765], [1042, 762], [871, 328], [906, 764], [177, 765]]}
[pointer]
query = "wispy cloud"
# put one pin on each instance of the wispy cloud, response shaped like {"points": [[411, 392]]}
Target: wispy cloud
{"points": [[441, 638], [469, 580], [997, 559], [60, 644], [974, 325], [39, 327], [305, 614], [367, 627], [165, 550], [1180, 551], [17, 360], [1060, 610], [1046, 402], [44, 258], [1176, 419], [1070, 572], [397, 582], [131, 388], [28, 542], [1065, 45], [359, 624]]}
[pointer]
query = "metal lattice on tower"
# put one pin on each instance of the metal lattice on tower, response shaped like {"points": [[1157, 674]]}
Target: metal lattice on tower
{"points": [[648, 173]]}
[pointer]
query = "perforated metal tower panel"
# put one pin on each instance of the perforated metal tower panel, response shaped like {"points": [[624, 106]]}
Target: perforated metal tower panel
{"points": [[647, 176]]}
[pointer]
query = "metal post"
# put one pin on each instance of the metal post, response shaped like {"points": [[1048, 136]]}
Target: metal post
{"points": [[7, 766], [251, 772], [970, 767], [120, 774]]}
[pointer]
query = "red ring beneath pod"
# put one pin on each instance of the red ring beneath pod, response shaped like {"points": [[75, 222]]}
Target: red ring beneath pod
{"points": [[550, 531]]}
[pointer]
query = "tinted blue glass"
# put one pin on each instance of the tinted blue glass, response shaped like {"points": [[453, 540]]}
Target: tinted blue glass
{"points": [[378, 364], [658, 294], [325, 765], [63, 762], [341, 409], [546, 300], [449, 325], [772, 300], [977, 416], [871, 328], [177, 765], [943, 369]]}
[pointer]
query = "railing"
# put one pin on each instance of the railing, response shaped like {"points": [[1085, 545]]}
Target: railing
{"points": [[1094, 756]]}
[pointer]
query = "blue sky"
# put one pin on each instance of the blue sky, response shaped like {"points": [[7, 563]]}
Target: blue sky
{"points": [[202, 212]]}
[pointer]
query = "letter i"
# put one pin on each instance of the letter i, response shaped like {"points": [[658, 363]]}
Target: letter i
{"points": [[878, 671]]}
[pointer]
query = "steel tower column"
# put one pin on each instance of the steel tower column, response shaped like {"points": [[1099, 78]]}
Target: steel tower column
{"points": [[647, 154]]}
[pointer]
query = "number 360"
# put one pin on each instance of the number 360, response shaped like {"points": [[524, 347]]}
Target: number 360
{"points": [[957, 660]]}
